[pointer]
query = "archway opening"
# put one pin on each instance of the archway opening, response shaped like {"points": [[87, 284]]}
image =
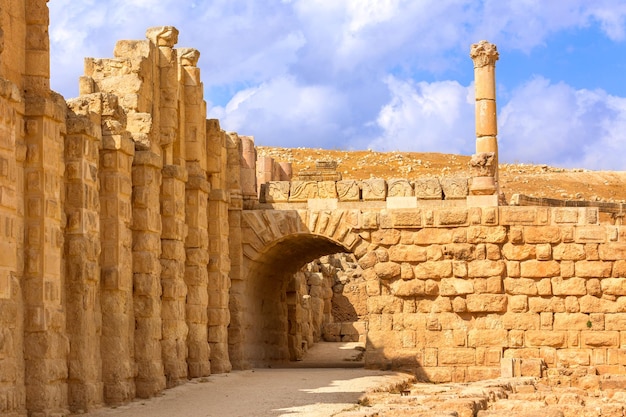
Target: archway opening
{"points": [[294, 297]]}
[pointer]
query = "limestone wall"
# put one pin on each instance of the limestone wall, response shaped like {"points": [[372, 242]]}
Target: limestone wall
{"points": [[484, 284], [453, 293]]}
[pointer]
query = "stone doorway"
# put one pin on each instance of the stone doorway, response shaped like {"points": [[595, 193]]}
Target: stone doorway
{"points": [[285, 303], [327, 304]]}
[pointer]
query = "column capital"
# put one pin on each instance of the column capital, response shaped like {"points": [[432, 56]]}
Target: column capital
{"points": [[163, 35], [484, 53], [188, 57]]}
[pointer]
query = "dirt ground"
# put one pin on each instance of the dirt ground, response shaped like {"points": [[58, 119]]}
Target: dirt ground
{"points": [[528, 179], [297, 391]]}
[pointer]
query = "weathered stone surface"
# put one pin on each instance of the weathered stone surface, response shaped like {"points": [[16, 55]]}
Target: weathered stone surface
{"points": [[407, 253], [374, 189], [454, 188], [593, 269], [518, 252], [387, 270], [613, 286], [141, 245], [428, 188], [399, 187], [348, 190], [486, 303], [410, 288], [454, 286], [486, 268], [433, 270], [540, 269]]}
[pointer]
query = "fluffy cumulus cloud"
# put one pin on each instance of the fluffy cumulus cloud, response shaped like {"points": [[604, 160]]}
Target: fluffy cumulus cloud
{"points": [[427, 117], [554, 122], [389, 74], [284, 113]]}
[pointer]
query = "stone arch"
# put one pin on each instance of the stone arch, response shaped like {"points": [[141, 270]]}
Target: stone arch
{"points": [[277, 244]]}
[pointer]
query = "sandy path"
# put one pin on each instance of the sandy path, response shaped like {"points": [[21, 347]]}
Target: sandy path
{"points": [[261, 392]]}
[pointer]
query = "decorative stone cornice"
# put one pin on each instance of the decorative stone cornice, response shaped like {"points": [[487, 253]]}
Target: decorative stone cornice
{"points": [[484, 53]]}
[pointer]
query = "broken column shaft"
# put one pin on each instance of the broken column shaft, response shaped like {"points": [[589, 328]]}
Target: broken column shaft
{"points": [[485, 55]]}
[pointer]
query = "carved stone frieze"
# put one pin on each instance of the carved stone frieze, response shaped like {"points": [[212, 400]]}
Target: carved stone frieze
{"points": [[428, 188], [374, 189], [399, 187], [348, 190], [302, 191], [277, 191], [454, 188], [327, 189]]}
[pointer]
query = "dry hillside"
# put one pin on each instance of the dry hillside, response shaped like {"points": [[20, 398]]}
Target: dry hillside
{"points": [[532, 180]]}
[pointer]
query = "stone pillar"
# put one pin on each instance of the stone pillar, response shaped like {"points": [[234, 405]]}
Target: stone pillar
{"points": [[232, 182], [219, 280], [248, 171], [173, 257], [37, 75], [12, 156], [165, 37], [146, 225], [196, 274], [485, 55], [116, 297], [45, 342], [167, 92], [194, 120], [237, 291], [196, 201], [82, 252], [286, 171], [219, 257]]}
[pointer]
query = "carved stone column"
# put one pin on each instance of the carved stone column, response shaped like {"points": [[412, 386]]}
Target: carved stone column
{"points": [[147, 290], [485, 55], [219, 318], [116, 296], [82, 252]]}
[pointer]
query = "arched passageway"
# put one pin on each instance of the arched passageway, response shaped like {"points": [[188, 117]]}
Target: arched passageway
{"points": [[277, 299]]}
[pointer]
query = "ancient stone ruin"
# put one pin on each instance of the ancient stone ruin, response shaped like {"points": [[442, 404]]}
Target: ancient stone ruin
{"points": [[141, 245]]}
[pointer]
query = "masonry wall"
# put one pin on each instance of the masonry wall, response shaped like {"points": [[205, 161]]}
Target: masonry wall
{"points": [[453, 294], [482, 284]]}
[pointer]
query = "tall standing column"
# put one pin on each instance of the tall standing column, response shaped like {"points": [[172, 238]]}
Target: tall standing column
{"points": [[116, 292], [485, 162], [196, 200], [82, 252]]}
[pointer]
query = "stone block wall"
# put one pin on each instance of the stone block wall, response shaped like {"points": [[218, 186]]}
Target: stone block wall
{"points": [[450, 301], [455, 293]]}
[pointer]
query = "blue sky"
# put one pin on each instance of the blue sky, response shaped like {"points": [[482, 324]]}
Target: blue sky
{"points": [[390, 75]]}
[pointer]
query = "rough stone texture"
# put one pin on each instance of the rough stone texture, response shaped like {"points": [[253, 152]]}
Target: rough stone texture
{"points": [[135, 252]]}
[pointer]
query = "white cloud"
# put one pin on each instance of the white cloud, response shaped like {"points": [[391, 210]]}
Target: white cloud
{"points": [[302, 114], [555, 123], [542, 122], [343, 73], [427, 117]]}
